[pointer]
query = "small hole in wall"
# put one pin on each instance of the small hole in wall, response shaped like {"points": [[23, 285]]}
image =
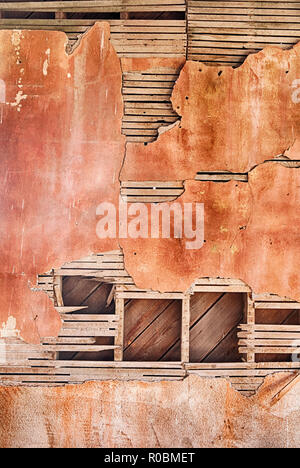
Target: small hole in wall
{"points": [[220, 73]]}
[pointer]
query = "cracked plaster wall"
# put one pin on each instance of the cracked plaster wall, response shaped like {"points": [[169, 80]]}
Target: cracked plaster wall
{"points": [[61, 155]]}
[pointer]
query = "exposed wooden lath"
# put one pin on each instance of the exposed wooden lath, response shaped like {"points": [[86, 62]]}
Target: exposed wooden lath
{"points": [[107, 6], [151, 191], [244, 377], [226, 32], [147, 102], [108, 322]]}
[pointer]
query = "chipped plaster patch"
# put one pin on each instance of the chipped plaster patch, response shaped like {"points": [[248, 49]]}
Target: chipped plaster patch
{"points": [[9, 328], [16, 38]]}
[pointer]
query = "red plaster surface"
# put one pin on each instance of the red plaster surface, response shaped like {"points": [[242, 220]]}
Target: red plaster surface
{"points": [[61, 154], [193, 413], [251, 232], [232, 119]]}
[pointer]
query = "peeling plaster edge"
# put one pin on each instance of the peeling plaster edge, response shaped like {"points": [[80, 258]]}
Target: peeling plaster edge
{"points": [[294, 375]]}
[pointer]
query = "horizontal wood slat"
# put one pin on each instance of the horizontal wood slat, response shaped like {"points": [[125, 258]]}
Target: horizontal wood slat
{"points": [[243, 376], [221, 176], [108, 6], [225, 33]]}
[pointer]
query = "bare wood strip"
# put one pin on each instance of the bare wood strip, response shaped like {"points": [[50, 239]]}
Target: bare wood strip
{"points": [[271, 335], [90, 318], [249, 327], [152, 184], [68, 340], [277, 305], [228, 288], [108, 364], [96, 5], [149, 295], [79, 348], [268, 342], [87, 332], [185, 329], [220, 177], [119, 339], [69, 309], [269, 350]]}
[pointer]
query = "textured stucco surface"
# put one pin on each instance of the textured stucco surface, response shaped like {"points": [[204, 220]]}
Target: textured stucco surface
{"points": [[193, 413]]}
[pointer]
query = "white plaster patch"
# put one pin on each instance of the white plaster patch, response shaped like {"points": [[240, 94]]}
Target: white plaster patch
{"points": [[9, 328], [18, 99], [2, 91], [46, 63], [16, 38]]}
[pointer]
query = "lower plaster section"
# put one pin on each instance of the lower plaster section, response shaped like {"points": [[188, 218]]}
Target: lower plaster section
{"points": [[194, 412]]}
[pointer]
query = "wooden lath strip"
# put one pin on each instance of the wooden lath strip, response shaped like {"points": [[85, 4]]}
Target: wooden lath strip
{"points": [[269, 350], [85, 6], [278, 328], [109, 364], [229, 366], [87, 332], [221, 177], [277, 305], [105, 318], [149, 295], [85, 348]]}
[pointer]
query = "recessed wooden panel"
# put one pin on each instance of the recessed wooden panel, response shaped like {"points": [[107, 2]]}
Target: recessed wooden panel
{"points": [[151, 329]]}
